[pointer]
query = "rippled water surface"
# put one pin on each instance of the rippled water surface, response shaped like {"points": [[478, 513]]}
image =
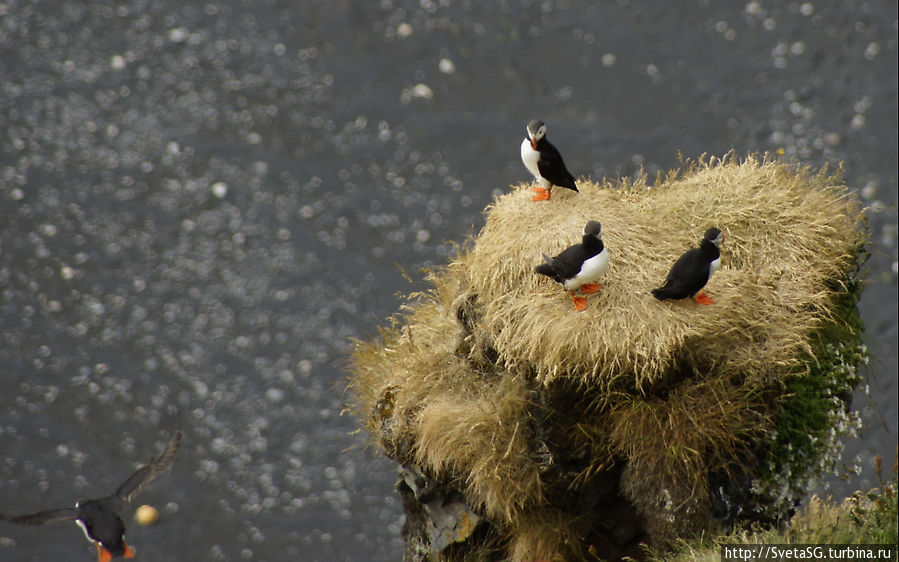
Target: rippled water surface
{"points": [[202, 203]]}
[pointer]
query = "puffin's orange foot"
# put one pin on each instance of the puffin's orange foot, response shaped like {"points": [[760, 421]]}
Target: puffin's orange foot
{"points": [[542, 193], [591, 288], [702, 298], [580, 303]]}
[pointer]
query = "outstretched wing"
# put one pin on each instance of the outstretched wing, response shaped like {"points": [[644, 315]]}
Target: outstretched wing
{"points": [[151, 470], [41, 517]]}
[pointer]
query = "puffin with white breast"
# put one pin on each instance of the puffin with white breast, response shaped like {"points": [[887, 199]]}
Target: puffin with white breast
{"points": [[579, 266], [543, 160], [692, 271], [99, 518]]}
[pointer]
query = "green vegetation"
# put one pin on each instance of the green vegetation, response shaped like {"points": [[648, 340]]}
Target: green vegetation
{"points": [[813, 415], [863, 518]]}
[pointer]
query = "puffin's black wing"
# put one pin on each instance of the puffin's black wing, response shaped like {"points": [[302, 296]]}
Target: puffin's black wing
{"points": [[688, 275], [148, 472], [552, 167], [569, 262], [41, 517]]}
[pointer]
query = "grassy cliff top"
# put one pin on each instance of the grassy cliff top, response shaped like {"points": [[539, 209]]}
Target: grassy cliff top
{"points": [[788, 234]]}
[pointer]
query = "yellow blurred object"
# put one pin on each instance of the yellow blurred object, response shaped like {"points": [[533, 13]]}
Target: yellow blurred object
{"points": [[146, 515]]}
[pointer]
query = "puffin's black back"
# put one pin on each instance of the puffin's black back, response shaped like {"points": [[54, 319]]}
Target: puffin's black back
{"points": [[690, 272], [552, 167], [103, 524]]}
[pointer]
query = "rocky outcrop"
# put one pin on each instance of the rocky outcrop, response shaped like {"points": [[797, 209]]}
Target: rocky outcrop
{"points": [[526, 430]]}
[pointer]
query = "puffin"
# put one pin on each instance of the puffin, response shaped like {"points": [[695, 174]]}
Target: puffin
{"points": [[543, 160], [99, 518], [579, 266], [692, 271]]}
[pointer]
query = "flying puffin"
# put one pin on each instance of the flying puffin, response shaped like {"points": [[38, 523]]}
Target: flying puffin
{"points": [[692, 271], [543, 160], [579, 266], [99, 518]]}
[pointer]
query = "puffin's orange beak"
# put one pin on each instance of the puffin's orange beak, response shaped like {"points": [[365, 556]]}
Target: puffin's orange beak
{"points": [[533, 143], [129, 552]]}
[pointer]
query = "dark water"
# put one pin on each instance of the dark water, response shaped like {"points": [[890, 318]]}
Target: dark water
{"points": [[202, 203]]}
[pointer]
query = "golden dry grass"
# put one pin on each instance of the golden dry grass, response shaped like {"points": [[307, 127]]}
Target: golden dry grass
{"points": [[428, 405], [545, 536], [483, 437], [786, 238], [694, 431]]}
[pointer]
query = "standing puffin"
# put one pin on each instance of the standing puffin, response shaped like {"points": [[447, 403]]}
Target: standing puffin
{"points": [[99, 518], [578, 266], [692, 271], [543, 160]]}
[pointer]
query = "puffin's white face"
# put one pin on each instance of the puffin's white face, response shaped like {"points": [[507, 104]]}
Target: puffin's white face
{"points": [[538, 134], [536, 131]]}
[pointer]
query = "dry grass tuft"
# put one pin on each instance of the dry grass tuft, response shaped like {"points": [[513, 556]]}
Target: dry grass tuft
{"points": [[694, 432], [786, 233], [484, 438], [427, 404], [546, 536]]}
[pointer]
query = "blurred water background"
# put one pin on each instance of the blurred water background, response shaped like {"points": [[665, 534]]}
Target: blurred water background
{"points": [[201, 203]]}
